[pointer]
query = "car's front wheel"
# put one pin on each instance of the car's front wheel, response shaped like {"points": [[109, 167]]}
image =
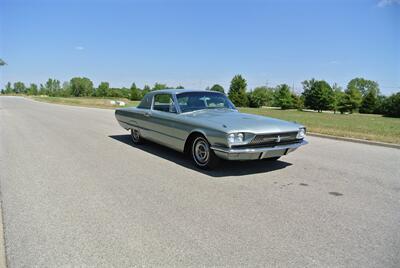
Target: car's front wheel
{"points": [[202, 155], [135, 136]]}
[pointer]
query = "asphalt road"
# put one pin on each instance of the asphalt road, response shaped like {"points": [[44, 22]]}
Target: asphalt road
{"points": [[76, 192]]}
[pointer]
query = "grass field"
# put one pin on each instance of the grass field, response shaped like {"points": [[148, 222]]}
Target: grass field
{"points": [[87, 102], [361, 126]]}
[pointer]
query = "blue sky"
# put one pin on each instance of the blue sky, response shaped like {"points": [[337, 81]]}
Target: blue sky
{"points": [[198, 43]]}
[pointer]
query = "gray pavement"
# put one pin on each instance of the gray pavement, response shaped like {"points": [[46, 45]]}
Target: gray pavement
{"points": [[76, 192]]}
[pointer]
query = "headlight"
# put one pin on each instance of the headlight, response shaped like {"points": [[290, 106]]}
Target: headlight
{"points": [[301, 134], [235, 138]]}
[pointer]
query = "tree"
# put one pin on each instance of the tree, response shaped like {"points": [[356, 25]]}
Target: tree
{"points": [[19, 87], [318, 95], [364, 85], [81, 86], [66, 89], [158, 86], [380, 104], [297, 101], [352, 99], [8, 89], [217, 88], [369, 102], [42, 89], [237, 91], [260, 96], [136, 93], [33, 89], [180, 87], [102, 90], [392, 105], [52, 87], [146, 89], [283, 97], [337, 96]]}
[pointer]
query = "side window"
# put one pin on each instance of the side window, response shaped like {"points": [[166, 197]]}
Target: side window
{"points": [[145, 103], [164, 103]]}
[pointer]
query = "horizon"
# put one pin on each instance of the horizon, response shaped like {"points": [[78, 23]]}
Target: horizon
{"points": [[200, 43]]}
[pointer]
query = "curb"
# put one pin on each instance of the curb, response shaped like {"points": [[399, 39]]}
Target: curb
{"points": [[375, 143]]}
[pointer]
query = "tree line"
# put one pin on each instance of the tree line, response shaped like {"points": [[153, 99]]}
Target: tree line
{"points": [[360, 95]]}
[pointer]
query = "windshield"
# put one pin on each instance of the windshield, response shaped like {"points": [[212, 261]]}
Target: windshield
{"points": [[192, 101]]}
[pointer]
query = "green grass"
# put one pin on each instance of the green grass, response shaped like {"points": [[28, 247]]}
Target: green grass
{"points": [[360, 126], [86, 101]]}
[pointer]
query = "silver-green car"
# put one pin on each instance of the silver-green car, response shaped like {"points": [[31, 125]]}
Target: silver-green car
{"points": [[207, 126]]}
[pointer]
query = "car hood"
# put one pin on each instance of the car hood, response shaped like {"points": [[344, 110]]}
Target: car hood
{"points": [[233, 121]]}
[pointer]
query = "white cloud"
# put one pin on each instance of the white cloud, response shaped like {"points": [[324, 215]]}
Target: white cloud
{"points": [[79, 48], [384, 3]]}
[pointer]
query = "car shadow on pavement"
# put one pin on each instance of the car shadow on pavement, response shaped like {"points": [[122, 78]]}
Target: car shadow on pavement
{"points": [[226, 168]]}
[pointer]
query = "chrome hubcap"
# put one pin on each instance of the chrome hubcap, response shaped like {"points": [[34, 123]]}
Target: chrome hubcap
{"points": [[201, 151]]}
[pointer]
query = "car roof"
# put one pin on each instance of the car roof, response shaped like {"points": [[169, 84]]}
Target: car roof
{"points": [[178, 91]]}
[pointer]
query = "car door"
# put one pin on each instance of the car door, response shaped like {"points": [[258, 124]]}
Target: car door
{"points": [[142, 115], [162, 121]]}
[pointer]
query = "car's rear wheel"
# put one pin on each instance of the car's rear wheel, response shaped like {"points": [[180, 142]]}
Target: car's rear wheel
{"points": [[202, 155], [135, 136]]}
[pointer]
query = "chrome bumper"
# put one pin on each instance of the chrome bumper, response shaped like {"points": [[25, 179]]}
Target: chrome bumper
{"points": [[256, 153]]}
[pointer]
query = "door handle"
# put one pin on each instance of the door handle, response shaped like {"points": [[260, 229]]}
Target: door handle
{"points": [[147, 114]]}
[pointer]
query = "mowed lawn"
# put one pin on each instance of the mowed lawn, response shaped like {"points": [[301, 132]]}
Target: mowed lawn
{"points": [[86, 102], [361, 126]]}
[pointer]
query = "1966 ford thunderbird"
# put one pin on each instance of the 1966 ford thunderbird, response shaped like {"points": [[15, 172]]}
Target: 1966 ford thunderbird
{"points": [[207, 126]]}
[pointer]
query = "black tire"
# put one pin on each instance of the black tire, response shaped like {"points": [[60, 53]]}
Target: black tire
{"points": [[272, 158], [135, 136], [202, 154]]}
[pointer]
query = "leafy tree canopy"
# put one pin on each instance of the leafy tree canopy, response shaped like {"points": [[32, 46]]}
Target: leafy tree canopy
{"points": [[237, 91], [364, 86], [103, 89], [260, 96], [19, 87], [392, 105], [33, 89], [217, 88], [284, 97], [158, 86], [318, 95], [81, 86], [369, 102], [136, 93]]}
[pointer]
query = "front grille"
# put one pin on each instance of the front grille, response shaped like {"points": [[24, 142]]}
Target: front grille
{"points": [[273, 139]]}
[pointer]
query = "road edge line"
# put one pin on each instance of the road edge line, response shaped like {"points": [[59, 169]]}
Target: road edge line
{"points": [[375, 143]]}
